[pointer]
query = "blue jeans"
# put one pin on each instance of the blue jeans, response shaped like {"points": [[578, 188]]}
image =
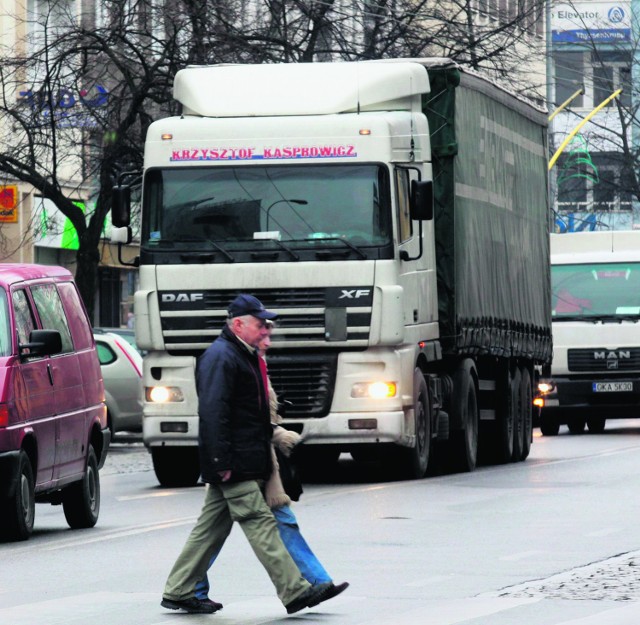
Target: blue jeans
{"points": [[296, 545]]}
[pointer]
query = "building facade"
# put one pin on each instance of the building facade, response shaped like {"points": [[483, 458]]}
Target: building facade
{"points": [[592, 48]]}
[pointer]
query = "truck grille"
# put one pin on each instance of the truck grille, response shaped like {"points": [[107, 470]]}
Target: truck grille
{"points": [[191, 322], [603, 359], [307, 383]]}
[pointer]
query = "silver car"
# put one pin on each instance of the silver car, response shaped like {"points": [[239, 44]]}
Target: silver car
{"points": [[121, 366]]}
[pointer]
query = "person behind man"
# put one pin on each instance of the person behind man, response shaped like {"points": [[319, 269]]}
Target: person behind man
{"points": [[280, 503], [235, 456]]}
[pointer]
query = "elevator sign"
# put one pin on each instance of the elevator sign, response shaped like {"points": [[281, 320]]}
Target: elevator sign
{"points": [[591, 22]]}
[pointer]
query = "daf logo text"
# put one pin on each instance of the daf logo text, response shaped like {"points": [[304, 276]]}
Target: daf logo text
{"points": [[182, 297]]}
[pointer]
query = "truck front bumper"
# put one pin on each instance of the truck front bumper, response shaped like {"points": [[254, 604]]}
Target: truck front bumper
{"points": [[171, 431], [579, 398], [352, 428]]}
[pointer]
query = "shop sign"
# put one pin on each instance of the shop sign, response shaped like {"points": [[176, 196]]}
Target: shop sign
{"points": [[9, 203]]}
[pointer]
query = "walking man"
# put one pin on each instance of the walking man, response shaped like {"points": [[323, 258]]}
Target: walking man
{"points": [[235, 457]]}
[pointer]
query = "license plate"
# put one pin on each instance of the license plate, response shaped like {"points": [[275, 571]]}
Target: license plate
{"points": [[612, 387]]}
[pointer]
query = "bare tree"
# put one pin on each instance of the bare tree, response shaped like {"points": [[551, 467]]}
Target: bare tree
{"points": [[117, 64]]}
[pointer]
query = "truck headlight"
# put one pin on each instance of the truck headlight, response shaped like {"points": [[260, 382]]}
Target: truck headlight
{"points": [[546, 387], [374, 390], [163, 394]]}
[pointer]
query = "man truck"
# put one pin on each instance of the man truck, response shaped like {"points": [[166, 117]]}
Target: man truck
{"points": [[393, 213], [595, 373]]}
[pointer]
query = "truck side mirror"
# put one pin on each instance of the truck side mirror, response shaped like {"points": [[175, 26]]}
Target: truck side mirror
{"points": [[121, 206], [421, 207]]}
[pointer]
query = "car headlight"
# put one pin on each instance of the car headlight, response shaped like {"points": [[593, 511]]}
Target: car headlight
{"points": [[374, 390], [163, 394]]}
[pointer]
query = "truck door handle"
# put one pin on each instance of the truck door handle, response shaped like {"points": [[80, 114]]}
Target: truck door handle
{"points": [[50, 373]]}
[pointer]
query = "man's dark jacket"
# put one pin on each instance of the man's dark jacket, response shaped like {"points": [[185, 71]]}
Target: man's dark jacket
{"points": [[235, 426]]}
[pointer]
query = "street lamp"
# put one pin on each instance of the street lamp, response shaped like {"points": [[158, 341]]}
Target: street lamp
{"points": [[292, 201]]}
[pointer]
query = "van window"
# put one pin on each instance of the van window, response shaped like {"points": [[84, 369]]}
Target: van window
{"points": [[80, 328], [24, 315], [5, 326], [49, 307]]}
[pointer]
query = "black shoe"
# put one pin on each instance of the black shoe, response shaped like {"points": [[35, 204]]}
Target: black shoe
{"points": [[312, 596], [191, 605], [333, 591], [216, 606]]}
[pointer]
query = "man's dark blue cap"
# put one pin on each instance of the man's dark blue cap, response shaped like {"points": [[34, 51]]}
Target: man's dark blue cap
{"points": [[246, 304]]}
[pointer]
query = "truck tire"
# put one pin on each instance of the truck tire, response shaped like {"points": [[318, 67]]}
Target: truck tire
{"points": [[501, 442], [176, 467], [576, 425], [548, 425], [463, 445], [526, 404], [415, 460], [518, 416], [81, 500], [596, 425], [18, 511]]}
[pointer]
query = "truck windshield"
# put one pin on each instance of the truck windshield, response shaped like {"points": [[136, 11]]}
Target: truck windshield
{"points": [[596, 291], [184, 207]]}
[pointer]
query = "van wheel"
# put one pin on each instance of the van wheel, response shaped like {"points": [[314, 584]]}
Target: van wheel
{"points": [[176, 467], [18, 510], [81, 500]]}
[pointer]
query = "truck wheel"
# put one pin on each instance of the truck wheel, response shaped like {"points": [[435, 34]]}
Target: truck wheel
{"points": [[81, 500], [501, 442], [18, 510], [548, 425], [463, 447], [518, 416], [416, 459], [596, 424], [176, 467], [526, 405], [576, 426]]}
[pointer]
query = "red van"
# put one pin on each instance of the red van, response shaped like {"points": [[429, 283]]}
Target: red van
{"points": [[53, 423]]}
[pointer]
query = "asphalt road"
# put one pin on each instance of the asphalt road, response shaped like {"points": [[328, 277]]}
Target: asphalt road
{"points": [[551, 541]]}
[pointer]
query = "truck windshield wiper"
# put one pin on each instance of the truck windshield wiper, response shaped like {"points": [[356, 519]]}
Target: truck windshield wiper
{"points": [[612, 318], [192, 239], [350, 245]]}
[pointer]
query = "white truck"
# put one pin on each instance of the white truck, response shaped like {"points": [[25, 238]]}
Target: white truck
{"points": [[394, 214], [595, 373]]}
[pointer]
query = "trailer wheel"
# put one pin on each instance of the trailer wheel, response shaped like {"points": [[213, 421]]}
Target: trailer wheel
{"points": [[518, 414], [500, 443], [548, 425], [463, 447], [526, 405], [596, 424], [176, 467]]}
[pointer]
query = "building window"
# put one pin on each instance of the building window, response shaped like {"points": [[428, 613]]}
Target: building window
{"points": [[601, 73], [599, 182]]}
